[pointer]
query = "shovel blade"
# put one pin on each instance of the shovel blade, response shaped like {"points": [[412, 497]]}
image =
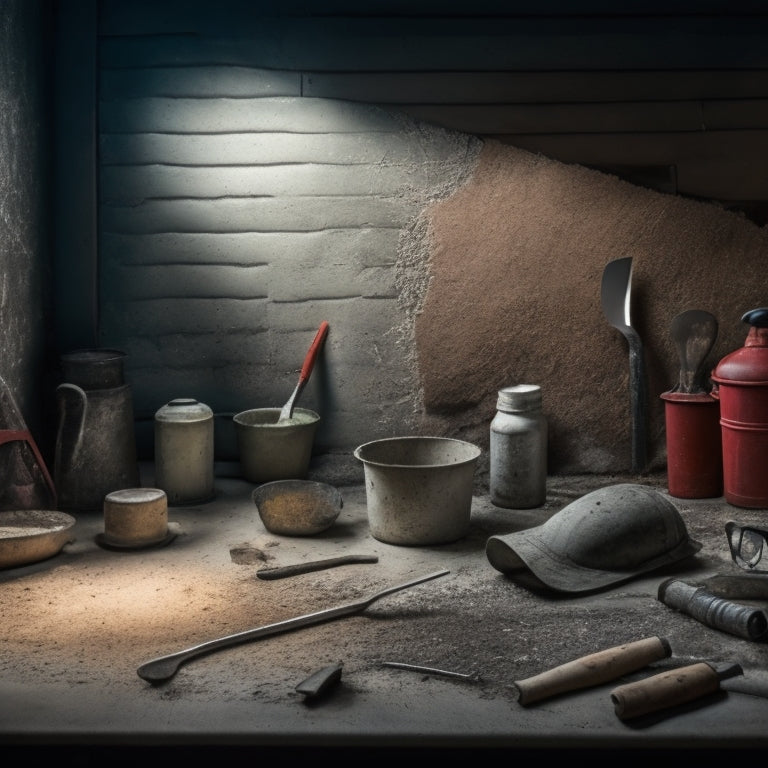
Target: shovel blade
{"points": [[615, 292]]}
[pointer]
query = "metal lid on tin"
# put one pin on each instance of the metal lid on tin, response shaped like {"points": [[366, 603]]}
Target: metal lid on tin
{"points": [[184, 409], [135, 517], [519, 398]]}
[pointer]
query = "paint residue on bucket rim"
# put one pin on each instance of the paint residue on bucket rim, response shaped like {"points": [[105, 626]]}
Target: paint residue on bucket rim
{"points": [[268, 418]]}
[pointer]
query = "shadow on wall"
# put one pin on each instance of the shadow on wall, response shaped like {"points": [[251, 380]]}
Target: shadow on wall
{"points": [[516, 262]]}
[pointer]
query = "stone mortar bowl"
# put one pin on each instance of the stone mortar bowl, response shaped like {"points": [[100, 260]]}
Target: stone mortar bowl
{"points": [[297, 507]]}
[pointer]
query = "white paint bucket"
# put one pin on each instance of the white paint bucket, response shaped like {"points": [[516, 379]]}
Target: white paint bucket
{"points": [[418, 489]]}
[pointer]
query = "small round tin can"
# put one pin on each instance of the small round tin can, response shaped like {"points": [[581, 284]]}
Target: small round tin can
{"points": [[135, 518], [184, 451]]}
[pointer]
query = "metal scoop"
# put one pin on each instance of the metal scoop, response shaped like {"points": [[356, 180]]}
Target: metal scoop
{"points": [[615, 298], [165, 667]]}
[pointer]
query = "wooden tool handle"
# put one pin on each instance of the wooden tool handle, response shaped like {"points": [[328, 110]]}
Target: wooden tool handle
{"points": [[316, 565], [314, 349], [593, 670], [667, 689]]}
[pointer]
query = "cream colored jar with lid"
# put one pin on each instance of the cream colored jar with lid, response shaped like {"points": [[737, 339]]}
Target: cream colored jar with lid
{"points": [[184, 451], [518, 449]]}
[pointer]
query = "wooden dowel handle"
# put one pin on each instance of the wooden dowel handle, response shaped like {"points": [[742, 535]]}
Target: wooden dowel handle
{"points": [[594, 669], [667, 689]]}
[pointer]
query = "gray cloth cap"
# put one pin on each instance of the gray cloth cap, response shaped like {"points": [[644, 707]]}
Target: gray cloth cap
{"points": [[608, 536]]}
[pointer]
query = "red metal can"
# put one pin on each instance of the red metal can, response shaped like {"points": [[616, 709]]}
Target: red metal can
{"points": [[741, 384], [694, 445]]}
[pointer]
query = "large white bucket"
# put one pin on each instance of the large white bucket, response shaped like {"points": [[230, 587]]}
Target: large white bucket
{"points": [[418, 489]]}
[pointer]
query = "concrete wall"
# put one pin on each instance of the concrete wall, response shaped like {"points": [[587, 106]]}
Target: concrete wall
{"points": [[25, 211], [262, 170]]}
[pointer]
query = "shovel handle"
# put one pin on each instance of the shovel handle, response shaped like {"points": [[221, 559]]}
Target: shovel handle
{"points": [[314, 349], [638, 388], [667, 689], [592, 670]]}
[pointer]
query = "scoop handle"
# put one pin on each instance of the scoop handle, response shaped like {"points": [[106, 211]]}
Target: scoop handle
{"points": [[164, 667], [313, 351]]}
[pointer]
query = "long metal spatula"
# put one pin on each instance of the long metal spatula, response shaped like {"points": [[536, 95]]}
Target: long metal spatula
{"points": [[614, 295], [165, 667]]}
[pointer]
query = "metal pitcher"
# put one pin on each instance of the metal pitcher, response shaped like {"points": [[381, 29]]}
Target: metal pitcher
{"points": [[95, 443]]}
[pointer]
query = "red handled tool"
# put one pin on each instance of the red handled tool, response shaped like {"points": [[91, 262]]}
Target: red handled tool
{"points": [[306, 370]]}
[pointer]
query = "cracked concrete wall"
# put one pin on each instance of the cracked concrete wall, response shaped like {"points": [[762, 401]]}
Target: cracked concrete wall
{"points": [[25, 211]]}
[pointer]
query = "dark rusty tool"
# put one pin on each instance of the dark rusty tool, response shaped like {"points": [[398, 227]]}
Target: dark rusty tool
{"points": [[615, 295], [320, 682], [316, 565], [431, 671]]}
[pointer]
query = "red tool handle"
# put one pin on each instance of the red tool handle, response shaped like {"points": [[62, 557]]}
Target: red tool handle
{"points": [[314, 349]]}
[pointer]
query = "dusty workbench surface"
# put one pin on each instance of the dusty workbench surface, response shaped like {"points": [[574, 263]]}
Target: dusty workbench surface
{"points": [[77, 627]]}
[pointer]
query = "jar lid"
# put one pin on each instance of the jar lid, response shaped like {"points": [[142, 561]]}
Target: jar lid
{"points": [[519, 398], [749, 364], [184, 409]]}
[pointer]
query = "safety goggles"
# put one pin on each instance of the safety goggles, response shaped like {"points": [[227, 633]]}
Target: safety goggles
{"points": [[748, 545]]}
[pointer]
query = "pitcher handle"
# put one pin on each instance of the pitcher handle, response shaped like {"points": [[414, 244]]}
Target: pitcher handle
{"points": [[73, 404]]}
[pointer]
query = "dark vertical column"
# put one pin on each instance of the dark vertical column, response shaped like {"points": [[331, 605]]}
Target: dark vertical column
{"points": [[75, 175]]}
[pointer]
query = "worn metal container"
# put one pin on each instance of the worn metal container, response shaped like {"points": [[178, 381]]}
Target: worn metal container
{"points": [[741, 385], [135, 517], [184, 451], [95, 451], [418, 489], [98, 368], [275, 451]]}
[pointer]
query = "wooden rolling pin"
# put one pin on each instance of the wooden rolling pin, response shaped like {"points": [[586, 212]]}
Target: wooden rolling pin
{"points": [[594, 669], [670, 688]]}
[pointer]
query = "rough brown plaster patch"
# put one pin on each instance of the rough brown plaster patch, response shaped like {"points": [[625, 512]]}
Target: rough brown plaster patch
{"points": [[516, 261]]}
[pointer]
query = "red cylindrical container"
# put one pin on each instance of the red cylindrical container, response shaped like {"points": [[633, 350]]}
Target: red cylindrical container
{"points": [[741, 385], [694, 445]]}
